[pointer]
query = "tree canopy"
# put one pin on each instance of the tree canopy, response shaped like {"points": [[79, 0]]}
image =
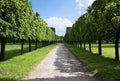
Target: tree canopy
{"points": [[100, 22]]}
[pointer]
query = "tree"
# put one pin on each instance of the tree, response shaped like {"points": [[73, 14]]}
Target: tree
{"points": [[50, 35], [40, 29], [22, 18], [7, 20], [90, 29], [19, 22], [112, 17], [101, 22]]}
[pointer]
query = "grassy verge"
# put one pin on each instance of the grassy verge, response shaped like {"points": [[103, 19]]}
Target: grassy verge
{"points": [[108, 50], [103, 67], [13, 50], [19, 66]]}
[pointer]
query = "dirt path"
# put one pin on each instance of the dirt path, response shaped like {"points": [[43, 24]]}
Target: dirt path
{"points": [[60, 65]]}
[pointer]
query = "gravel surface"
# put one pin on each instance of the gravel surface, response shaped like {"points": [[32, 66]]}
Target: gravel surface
{"points": [[60, 65]]}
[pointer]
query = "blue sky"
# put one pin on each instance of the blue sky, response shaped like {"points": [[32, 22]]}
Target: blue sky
{"points": [[60, 13]]}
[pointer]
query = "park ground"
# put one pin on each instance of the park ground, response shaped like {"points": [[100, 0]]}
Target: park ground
{"points": [[60, 65]]}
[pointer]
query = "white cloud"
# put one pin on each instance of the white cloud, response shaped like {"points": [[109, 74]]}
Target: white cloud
{"points": [[80, 4], [59, 24], [83, 5], [89, 2]]}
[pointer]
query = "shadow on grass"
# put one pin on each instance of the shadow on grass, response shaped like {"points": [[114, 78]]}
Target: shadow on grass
{"points": [[105, 68], [7, 79], [16, 52]]}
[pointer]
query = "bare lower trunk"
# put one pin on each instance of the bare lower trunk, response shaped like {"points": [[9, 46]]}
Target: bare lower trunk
{"points": [[84, 45], [117, 46], [29, 45], [3, 42], [22, 43], [90, 46], [36, 44], [80, 44], [100, 47]]}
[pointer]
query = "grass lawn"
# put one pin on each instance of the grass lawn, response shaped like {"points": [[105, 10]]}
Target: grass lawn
{"points": [[108, 50], [103, 67], [13, 50], [18, 67]]}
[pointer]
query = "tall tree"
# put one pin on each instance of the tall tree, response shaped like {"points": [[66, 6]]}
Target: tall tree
{"points": [[112, 17], [7, 9]]}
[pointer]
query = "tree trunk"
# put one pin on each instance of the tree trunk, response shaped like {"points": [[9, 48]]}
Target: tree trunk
{"points": [[90, 46], [84, 45], [80, 44], [22, 43], [29, 45], [36, 44], [3, 42], [14, 41], [117, 46], [75, 44], [42, 44], [100, 47]]}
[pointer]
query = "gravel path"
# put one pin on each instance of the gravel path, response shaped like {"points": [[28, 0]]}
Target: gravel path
{"points": [[60, 65]]}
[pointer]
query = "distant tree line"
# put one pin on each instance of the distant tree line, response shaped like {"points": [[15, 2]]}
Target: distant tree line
{"points": [[100, 22]]}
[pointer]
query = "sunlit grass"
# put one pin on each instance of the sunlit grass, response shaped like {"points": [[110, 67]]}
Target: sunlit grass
{"points": [[108, 50], [12, 50], [17, 67]]}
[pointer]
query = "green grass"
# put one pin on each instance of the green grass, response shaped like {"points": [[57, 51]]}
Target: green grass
{"points": [[13, 50], [18, 67], [103, 67], [108, 50]]}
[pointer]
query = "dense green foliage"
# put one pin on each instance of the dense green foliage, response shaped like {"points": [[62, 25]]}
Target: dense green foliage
{"points": [[18, 67], [18, 22], [104, 68], [100, 23]]}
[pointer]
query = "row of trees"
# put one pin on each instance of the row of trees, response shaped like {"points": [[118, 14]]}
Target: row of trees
{"points": [[100, 22], [19, 22]]}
